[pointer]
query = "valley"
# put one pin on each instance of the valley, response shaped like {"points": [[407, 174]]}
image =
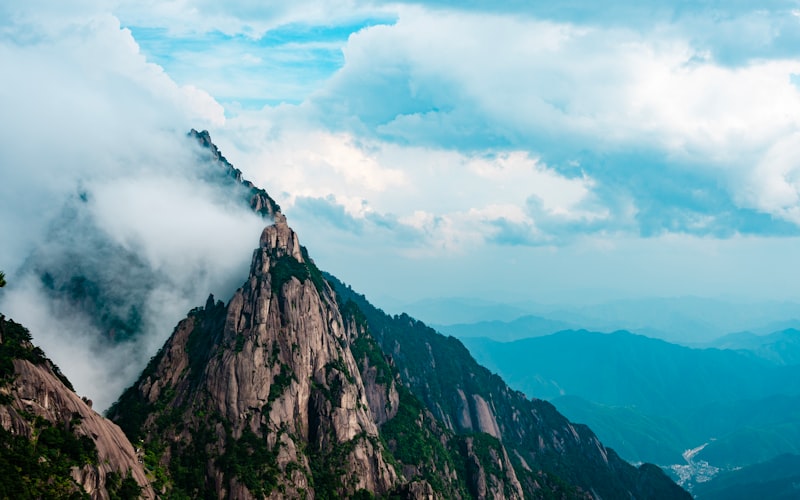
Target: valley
{"points": [[696, 411]]}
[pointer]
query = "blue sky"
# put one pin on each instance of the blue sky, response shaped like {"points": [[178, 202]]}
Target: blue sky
{"points": [[557, 151]]}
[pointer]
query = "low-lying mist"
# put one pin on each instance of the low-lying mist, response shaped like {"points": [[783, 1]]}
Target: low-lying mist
{"points": [[123, 260]]}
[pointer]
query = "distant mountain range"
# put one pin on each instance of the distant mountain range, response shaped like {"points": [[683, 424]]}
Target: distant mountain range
{"points": [[782, 347], [692, 321], [297, 387], [652, 400], [776, 479]]}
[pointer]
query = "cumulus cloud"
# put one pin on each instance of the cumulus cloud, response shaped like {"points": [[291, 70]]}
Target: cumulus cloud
{"points": [[558, 90], [572, 84], [508, 139]]}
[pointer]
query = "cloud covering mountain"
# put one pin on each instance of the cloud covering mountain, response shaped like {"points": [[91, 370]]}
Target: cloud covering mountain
{"points": [[100, 182], [600, 132], [552, 151]]}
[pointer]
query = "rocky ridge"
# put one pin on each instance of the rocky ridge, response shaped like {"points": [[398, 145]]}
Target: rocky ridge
{"points": [[299, 388], [53, 443], [265, 383], [549, 454], [282, 394]]}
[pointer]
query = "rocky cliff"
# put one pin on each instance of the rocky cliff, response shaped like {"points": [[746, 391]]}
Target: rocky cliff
{"points": [[549, 454], [283, 393], [261, 397], [52, 444], [299, 388], [296, 388]]}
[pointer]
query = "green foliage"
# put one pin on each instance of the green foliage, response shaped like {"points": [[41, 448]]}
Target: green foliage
{"points": [[207, 329], [40, 467], [284, 269], [157, 474], [433, 367], [404, 432], [365, 347], [56, 443], [412, 436], [281, 382], [131, 410], [636, 436], [338, 365], [314, 273], [252, 462], [188, 462], [120, 488], [2, 279], [239, 346], [329, 468]]}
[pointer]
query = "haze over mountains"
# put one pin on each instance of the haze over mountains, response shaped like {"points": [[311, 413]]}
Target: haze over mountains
{"points": [[298, 386], [653, 400], [730, 401], [569, 153], [693, 321]]}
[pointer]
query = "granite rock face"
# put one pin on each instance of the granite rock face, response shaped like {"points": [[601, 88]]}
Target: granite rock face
{"points": [[299, 388], [273, 366], [37, 400]]}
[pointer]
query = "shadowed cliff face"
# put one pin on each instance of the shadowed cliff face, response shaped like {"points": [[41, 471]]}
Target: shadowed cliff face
{"points": [[547, 452], [71, 446]]}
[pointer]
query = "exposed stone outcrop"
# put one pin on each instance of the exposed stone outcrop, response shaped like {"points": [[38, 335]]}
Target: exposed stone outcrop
{"points": [[548, 455], [288, 392], [275, 367], [493, 478], [258, 199], [37, 394]]}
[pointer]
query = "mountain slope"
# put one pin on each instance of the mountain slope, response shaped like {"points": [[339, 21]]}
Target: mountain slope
{"points": [[781, 347], [544, 446], [622, 368], [255, 397], [777, 479], [294, 390], [505, 331], [52, 444], [651, 400], [280, 393]]}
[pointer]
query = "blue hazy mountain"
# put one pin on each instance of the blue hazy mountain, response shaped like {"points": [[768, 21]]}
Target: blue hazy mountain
{"points": [[651, 400], [776, 479], [780, 347], [684, 320], [504, 331]]}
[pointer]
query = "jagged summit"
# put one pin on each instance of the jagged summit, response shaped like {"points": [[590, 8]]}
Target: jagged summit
{"points": [[265, 384], [257, 198], [300, 389]]}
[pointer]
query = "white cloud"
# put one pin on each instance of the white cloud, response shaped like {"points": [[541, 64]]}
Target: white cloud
{"points": [[100, 180]]}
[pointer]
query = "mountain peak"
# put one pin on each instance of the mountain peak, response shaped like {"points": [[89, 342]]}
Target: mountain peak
{"points": [[285, 392], [279, 239], [270, 372]]}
